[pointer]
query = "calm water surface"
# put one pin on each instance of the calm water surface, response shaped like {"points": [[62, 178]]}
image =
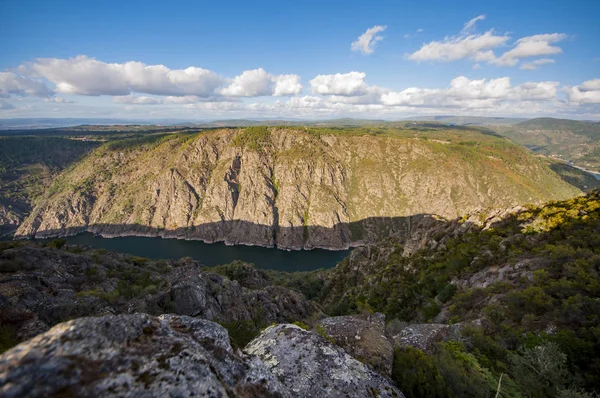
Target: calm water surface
{"points": [[215, 253]]}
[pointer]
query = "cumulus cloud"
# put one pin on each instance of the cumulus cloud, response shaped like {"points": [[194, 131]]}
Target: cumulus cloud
{"points": [[466, 93], [533, 65], [83, 75], [287, 85], [477, 47], [480, 47], [257, 82], [136, 100], [531, 46], [86, 76], [18, 85], [367, 41], [587, 92], [344, 84]]}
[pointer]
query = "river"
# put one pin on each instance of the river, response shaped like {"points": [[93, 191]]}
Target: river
{"points": [[215, 253]]}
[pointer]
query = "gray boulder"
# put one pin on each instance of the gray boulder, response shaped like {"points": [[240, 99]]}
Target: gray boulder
{"points": [[363, 337], [424, 335], [311, 366], [134, 356]]}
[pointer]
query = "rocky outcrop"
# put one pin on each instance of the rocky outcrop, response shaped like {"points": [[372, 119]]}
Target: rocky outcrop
{"points": [[310, 366], [287, 188], [363, 337], [132, 356], [424, 335], [41, 286], [139, 355]]}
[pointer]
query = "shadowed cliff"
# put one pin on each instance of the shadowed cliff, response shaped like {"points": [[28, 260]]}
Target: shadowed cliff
{"points": [[290, 188], [339, 237]]}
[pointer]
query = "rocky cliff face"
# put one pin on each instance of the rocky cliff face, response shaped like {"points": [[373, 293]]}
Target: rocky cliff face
{"points": [[288, 187]]}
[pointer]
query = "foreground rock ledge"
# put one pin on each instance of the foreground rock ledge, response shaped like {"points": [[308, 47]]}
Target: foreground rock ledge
{"points": [[133, 356], [311, 366], [178, 356]]}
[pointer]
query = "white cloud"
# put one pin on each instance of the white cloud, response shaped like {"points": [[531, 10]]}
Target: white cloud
{"points": [[83, 75], [346, 84], [367, 41], [287, 85], [531, 46], [533, 65], [86, 76], [186, 99], [477, 47], [480, 47], [15, 84], [472, 94], [590, 85], [257, 82], [471, 24], [136, 100], [587, 92]]}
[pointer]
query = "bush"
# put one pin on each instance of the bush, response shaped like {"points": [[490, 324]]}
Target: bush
{"points": [[56, 243], [541, 371], [417, 375]]}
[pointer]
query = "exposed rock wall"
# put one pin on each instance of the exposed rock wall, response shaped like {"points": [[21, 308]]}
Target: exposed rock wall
{"points": [[294, 190]]}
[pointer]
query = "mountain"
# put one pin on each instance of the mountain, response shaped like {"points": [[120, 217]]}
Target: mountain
{"points": [[568, 140], [290, 187], [505, 303]]}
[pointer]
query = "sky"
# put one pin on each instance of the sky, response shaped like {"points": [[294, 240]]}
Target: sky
{"points": [[201, 60]]}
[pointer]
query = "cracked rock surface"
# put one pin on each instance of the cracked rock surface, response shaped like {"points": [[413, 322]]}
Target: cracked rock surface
{"points": [[311, 366]]}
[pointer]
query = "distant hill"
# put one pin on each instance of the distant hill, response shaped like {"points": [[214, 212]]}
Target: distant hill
{"points": [[567, 140], [588, 129], [470, 120], [45, 123]]}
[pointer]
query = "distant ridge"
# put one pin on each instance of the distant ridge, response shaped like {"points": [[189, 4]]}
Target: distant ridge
{"points": [[470, 120]]}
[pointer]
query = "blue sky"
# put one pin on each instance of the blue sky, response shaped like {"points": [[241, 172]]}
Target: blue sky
{"points": [[296, 59]]}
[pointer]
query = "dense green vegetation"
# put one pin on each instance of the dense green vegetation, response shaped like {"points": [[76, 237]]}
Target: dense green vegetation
{"points": [[578, 178], [552, 309], [256, 138]]}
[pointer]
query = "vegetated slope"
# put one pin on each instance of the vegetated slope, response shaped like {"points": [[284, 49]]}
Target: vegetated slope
{"points": [[573, 175], [569, 140], [515, 297], [290, 187], [525, 287], [27, 166]]}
